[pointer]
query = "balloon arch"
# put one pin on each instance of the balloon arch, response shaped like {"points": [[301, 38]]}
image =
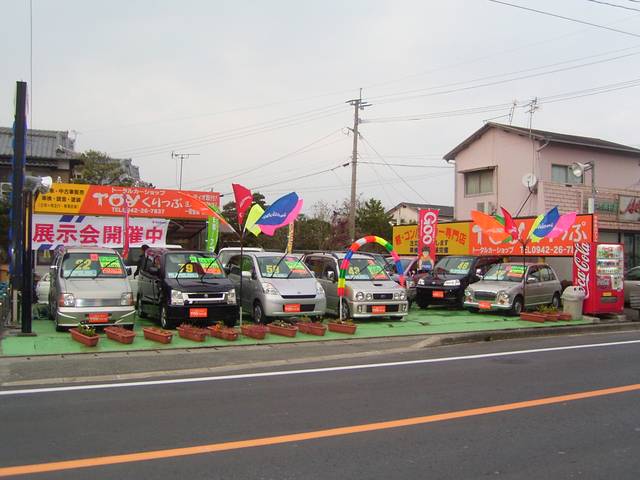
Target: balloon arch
{"points": [[355, 246]]}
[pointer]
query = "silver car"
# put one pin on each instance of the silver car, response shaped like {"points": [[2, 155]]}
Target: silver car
{"points": [[369, 290], [90, 285], [503, 287], [276, 285]]}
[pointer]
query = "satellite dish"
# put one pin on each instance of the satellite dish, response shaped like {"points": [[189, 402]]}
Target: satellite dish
{"points": [[529, 180]]}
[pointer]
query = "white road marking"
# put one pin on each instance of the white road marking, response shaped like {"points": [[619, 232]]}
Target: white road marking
{"points": [[311, 370]]}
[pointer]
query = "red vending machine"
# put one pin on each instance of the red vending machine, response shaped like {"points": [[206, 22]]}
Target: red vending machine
{"points": [[599, 269]]}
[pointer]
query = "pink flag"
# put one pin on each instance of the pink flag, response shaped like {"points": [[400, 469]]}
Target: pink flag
{"points": [[271, 229], [563, 225], [244, 199]]}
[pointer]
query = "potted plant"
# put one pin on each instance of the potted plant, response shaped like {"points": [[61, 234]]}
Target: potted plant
{"points": [[191, 332], [254, 330], [221, 331], [306, 325], [120, 334], [552, 314], [280, 327], [342, 326], [157, 335], [85, 334]]}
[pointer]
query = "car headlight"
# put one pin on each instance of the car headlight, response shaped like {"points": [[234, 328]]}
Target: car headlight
{"points": [[231, 297], [502, 297], [410, 284], [67, 300], [421, 281], [319, 289], [452, 283], [269, 289], [177, 298], [400, 295], [369, 296], [359, 296], [126, 299], [468, 293]]}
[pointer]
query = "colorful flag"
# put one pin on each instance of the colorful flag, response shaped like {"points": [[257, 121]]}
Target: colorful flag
{"points": [[290, 218], [509, 225], [564, 223], [244, 199], [290, 237], [282, 212], [254, 214], [213, 231], [544, 224], [489, 225]]}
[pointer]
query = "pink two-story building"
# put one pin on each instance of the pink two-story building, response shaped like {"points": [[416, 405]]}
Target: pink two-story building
{"points": [[529, 171]]}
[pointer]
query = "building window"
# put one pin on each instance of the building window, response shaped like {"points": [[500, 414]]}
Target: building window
{"points": [[563, 174], [478, 182]]}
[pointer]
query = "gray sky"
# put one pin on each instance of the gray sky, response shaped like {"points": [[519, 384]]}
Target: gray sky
{"points": [[245, 83]]}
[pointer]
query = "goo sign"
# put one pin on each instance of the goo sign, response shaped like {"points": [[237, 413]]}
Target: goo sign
{"points": [[427, 230]]}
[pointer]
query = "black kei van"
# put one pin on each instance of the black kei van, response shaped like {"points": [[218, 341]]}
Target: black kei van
{"points": [[177, 286]]}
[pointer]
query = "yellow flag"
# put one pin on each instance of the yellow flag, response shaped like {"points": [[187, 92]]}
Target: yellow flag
{"points": [[254, 214]]}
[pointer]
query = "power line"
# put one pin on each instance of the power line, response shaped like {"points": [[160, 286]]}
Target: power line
{"points": [[542, 12], [406, 165], [615, 5]]}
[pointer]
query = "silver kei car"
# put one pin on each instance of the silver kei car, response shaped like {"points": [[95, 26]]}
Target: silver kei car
{"points": [[370, 292], [503, 287], [276, 285]]}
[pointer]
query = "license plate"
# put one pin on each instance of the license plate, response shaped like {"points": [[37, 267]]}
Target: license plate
{"points": [[292, 307], [197, 313], [484, 305], [437, 294], [378, 309], [98, 317]]}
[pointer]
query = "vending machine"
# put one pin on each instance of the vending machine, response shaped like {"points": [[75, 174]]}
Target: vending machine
{"points": [[599, 268]]}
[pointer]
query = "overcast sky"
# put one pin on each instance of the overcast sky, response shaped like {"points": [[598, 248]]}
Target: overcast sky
{"points": [[258, 88]]}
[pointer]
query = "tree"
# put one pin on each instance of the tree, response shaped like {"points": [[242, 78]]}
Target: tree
{"points": [[311, 233], [100, 169], [372, 219]]}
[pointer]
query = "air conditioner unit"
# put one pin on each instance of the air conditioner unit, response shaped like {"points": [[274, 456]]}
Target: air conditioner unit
{"points": [[480, 207], [491, 208]]}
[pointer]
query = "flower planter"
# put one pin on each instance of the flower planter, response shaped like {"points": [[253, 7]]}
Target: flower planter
{"points": [[120, 334], [79, 337], [225, 333], [254, 331], [312, 328], [193, 333], [564, 317], [532, 317], [157, 335], [283, 331], [342, 327]]}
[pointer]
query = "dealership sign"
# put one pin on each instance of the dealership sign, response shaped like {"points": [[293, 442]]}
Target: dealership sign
{"points": [[50, 231], [79, 199], [427, 231]]}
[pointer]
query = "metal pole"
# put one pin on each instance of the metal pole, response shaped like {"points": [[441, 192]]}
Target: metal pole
{"points": [[27, 289], [354, 171], [593, 189], [181, 161]]}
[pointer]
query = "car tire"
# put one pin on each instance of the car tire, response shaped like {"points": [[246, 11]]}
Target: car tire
{"points": [[139, 311], [555, 301], [258, 313], [165, 323], [517, 306], [58, 327], [474, 310], [423, 304], [397, 317], [345, 310]]}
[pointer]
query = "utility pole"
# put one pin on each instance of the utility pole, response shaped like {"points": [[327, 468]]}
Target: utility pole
{"points": [[358, 104], [181, 156]]}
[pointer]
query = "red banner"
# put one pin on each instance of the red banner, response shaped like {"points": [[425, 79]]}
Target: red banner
{"points": [[427, 232]]}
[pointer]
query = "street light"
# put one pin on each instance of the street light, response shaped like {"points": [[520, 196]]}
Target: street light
{"points": [[578, 169]]}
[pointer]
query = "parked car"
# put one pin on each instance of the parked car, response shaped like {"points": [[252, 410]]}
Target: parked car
{"points": [[276, 285], [631, 284], [503, 287], [409, 267], [90, 285], [446, 283], [176, 286], [369, 292], [226, 253], [42, 289]]}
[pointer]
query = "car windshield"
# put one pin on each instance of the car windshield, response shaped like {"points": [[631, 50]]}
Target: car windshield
{"points": [[455, 265], [192, 265], [505, 273], [277, 266], [92, 265], [365, 269]]}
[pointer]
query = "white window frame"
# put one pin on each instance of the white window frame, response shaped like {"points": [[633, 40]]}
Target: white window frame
{"points": [[479, 173]]}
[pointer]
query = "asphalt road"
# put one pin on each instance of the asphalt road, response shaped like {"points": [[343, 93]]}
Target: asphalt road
{"points": [[595, 437]]}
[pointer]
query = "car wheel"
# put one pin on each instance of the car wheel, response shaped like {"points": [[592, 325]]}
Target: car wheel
{"points": [[258, 313], [164, 320], [397, 317], [58, 327], [555, 301], [422, 303], [345, 310], [517, 306], [139, 311], [474, 310]]}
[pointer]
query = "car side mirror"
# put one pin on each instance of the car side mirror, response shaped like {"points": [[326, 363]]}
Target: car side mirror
{"points": [[246, 274], [154, 270], [531, 280], [331, 275], [129, 271]]}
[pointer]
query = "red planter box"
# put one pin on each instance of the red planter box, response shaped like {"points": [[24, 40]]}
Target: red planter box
{"points": [[193, 333], [532, 317], [342, 327], [312, 328], [564, 317], [120, 334], [254, 331], [225, 333], [88, 341], [284, 331], [157, 334]]}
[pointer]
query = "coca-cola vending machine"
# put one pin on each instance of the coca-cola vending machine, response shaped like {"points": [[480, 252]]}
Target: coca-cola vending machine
{"points": [[599, 268]]}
